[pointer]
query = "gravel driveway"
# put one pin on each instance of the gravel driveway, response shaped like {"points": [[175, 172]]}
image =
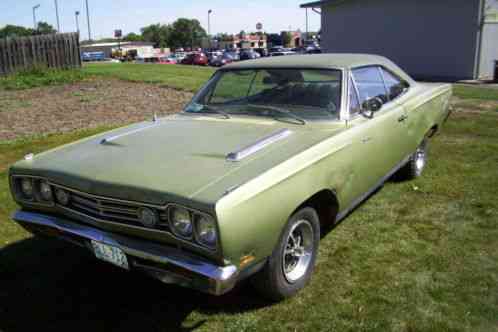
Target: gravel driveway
{"points": [[82, 105]]}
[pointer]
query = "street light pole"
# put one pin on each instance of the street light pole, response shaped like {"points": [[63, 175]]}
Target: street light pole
{"points": [[57, 15], [209, 27], [35, 24], [209, 22], [307, 29], [76, 14], [88, 21]]}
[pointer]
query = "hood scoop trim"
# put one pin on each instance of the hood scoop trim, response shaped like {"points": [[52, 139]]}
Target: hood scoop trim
{"points": [[258, 145], [115, 137]]}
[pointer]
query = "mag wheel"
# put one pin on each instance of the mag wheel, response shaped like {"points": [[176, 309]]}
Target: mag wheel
{"points": [[291, 264]]}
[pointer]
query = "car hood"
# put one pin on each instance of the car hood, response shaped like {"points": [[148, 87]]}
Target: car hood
{"points": [[181, 158]]}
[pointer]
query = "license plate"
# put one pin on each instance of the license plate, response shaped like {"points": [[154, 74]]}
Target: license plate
{"points": [[110, 254]]}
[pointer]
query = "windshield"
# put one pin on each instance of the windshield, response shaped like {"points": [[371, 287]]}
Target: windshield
{"points": [[309, 94]]}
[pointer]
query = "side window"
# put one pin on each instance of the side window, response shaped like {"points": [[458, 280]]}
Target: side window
{"points": [[394, 85], [354, 103], [370, 83]]}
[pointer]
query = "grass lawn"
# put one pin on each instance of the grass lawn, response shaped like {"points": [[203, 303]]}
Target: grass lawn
{"points": [[183, 77], [417, 256]]}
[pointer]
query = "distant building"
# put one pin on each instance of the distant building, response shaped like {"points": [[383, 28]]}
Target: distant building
{"points": [[437, 40], [296, 40], [249, 41], [143, 49]]}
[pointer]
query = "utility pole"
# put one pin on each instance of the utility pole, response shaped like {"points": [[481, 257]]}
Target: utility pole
{"points": [[88, 21], [57, 16], [209, 27], [35, 24], [307, 30], [76, 14]]}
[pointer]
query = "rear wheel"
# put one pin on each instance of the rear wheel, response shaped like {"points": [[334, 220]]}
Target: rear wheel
{"points": [[291, 264], [416, 165]]}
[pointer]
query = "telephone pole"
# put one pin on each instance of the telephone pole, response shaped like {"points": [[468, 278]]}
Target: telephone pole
{"points": [[35, 24], [88, 21], [57, 16]]}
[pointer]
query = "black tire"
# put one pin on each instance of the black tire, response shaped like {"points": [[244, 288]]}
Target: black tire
{"points": [[272, 281], [416, 165]]}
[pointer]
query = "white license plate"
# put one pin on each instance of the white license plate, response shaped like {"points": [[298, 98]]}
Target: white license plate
{"points": [[110, 254]]}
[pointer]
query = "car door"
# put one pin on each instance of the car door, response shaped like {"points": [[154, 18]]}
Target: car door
{"points": [[376, 141]]}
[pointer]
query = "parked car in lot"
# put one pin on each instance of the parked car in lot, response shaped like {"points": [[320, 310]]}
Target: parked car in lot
{"points": [[221, 60], [180, 55], [242, 183], [283, 53], [234, 55], [168, 60], [249, 55], [198, 59], [93, 56]]}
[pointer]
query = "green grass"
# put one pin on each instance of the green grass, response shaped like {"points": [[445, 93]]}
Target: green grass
{"points": [[182, 77], [473, 92], [39, 77], [417, 256]]}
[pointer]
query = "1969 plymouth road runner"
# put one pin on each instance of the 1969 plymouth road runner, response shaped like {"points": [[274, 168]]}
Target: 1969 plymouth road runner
{"points": [[241, 183]]}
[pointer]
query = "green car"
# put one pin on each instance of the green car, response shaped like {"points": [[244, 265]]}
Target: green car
{"points": [[268, 155]]}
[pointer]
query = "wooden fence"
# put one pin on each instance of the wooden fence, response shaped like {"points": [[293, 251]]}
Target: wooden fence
{"points": [[61, 51]]}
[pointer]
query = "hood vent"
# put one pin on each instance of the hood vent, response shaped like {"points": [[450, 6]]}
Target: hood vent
{"points": [[112, 138], [258, 145]]}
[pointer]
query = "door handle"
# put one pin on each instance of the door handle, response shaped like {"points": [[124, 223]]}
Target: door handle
{"points": [[402, 118]]}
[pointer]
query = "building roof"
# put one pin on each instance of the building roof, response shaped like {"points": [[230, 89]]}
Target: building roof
{"points": [[315, 4]]}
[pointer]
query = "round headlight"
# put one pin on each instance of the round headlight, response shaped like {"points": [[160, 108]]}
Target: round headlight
{"points": [[27, 187], [62, 196], [181, 222], [205, 231], [45, 191]]}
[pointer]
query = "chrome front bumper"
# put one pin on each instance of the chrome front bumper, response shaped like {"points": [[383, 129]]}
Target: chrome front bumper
{"points": [[167, 264]]}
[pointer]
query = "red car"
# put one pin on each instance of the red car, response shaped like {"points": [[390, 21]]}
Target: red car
{"points": [[199, 59]]}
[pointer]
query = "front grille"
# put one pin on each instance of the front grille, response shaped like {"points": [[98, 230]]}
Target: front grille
{"points": [[107, 209]]}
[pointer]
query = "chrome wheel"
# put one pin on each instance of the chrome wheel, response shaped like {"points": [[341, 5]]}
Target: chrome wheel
{"points": [[298, 251], [419, 159]]}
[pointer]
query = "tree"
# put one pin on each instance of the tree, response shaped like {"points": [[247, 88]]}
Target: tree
{"points": [[186, 32], [157, 34], [274, 39], [44, 28], [133, 37], [15, 31], [286, 38]]}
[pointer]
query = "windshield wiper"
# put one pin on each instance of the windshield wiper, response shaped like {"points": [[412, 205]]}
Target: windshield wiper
{"points": [[210, 109], [280, 111]]}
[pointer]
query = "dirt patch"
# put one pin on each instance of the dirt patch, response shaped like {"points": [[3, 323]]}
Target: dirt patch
{"points": [[87, 104]]}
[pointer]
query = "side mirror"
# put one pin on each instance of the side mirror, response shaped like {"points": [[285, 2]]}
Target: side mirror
{"points": [[370, 106]]}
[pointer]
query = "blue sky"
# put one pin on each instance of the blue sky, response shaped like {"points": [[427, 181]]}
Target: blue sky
{"points": [[130, 15]]}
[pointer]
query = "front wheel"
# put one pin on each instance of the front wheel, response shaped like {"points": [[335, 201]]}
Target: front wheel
{"points": [[291, 264]]}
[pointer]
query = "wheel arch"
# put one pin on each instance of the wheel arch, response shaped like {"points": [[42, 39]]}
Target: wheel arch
{"points": [[325, 203]]}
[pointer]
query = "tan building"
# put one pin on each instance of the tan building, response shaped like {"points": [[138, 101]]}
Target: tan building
{"points": [[250, 41]]}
